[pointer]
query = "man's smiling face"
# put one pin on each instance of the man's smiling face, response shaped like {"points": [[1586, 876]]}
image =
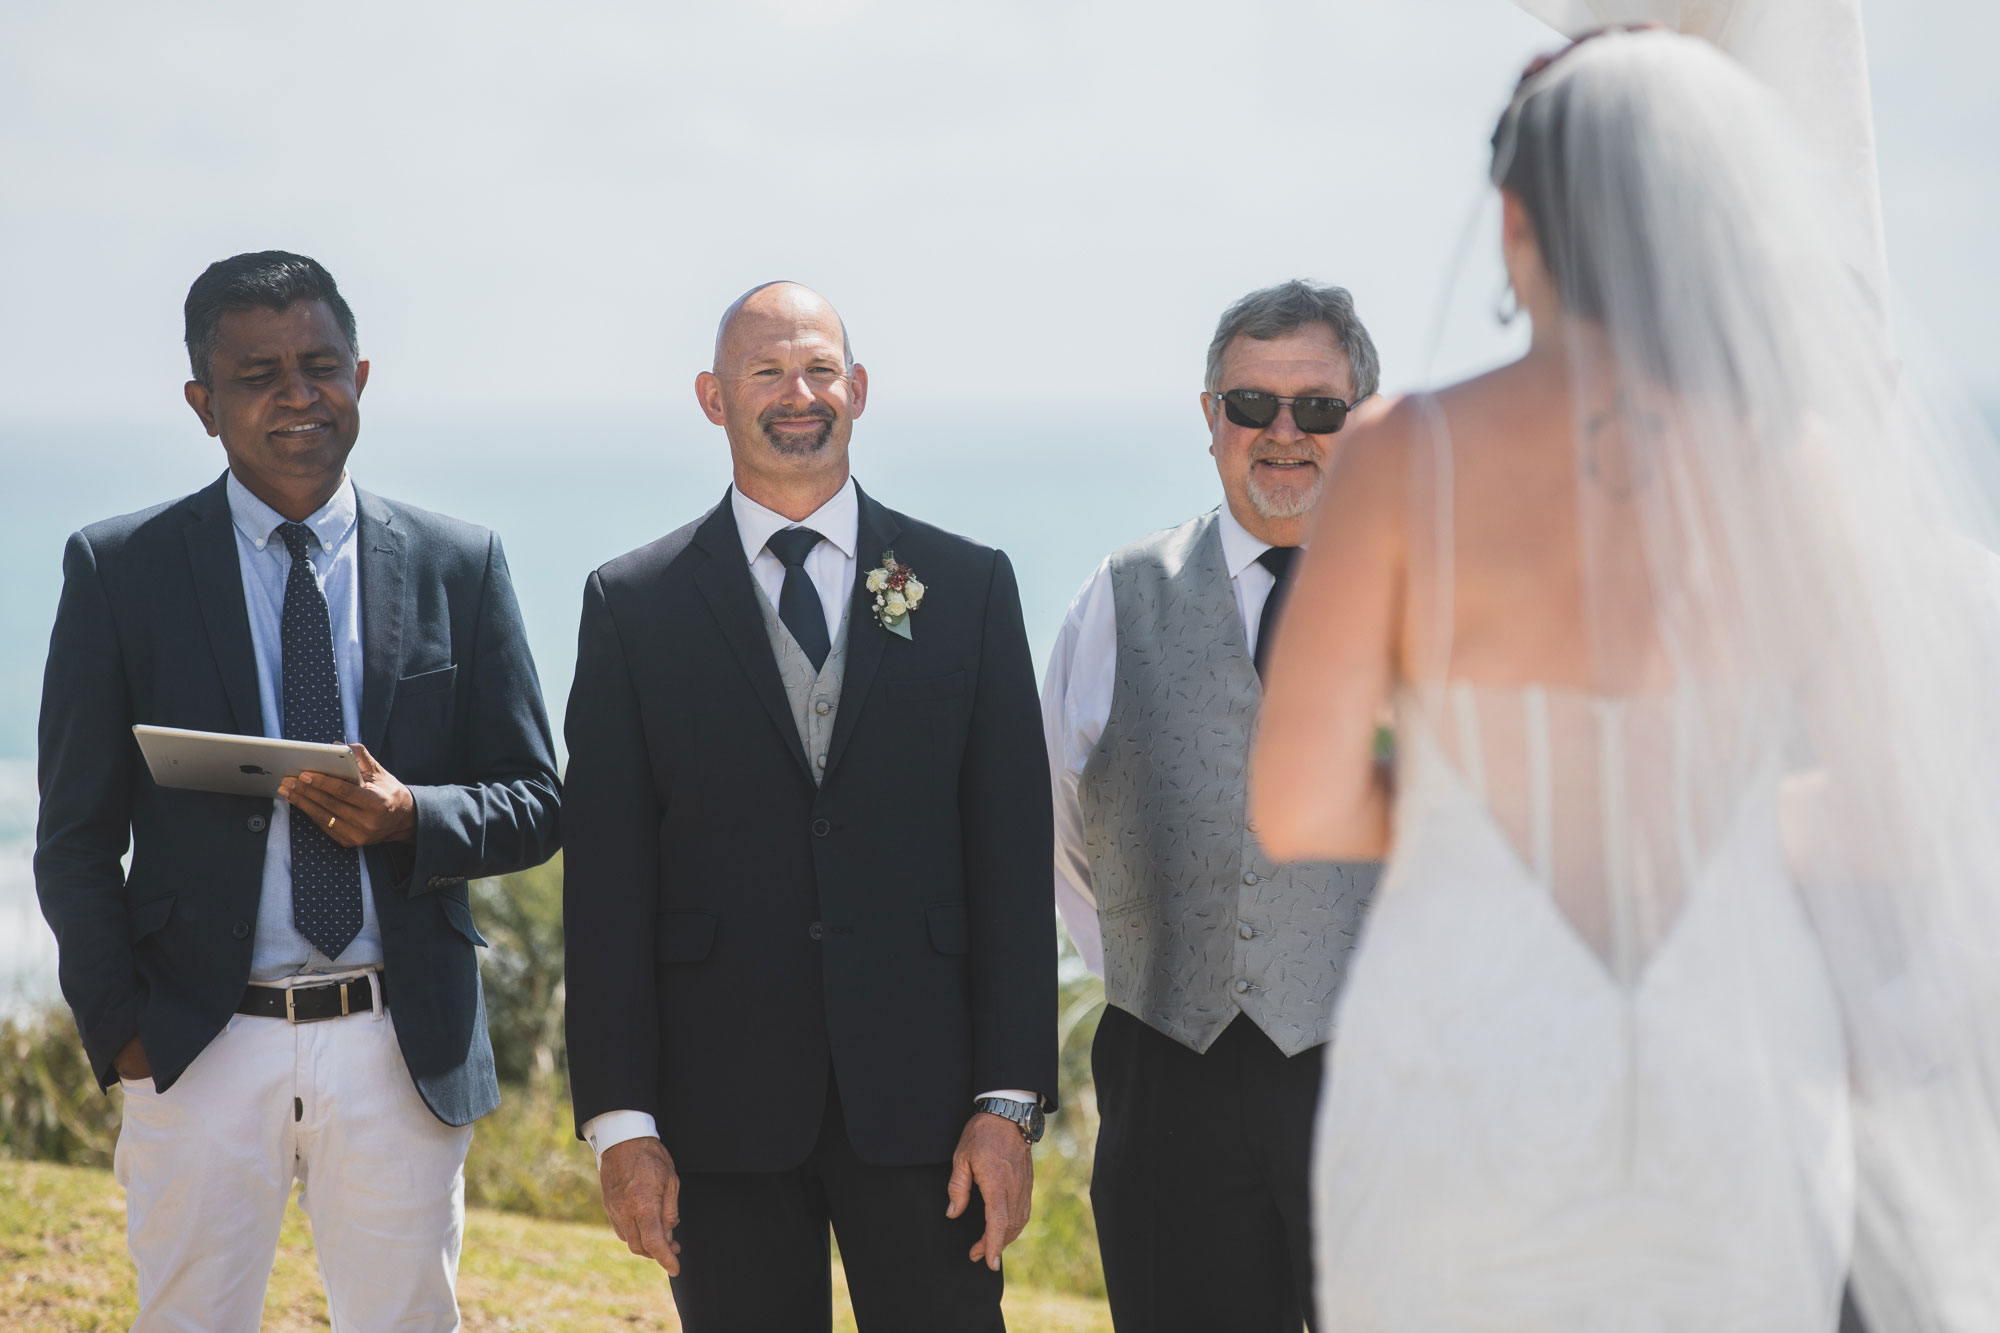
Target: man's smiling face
{"points": [[1272, 475], [283, 394]]}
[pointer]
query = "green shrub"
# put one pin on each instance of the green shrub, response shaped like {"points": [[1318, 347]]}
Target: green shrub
{"points": [[521, 918], [50, 1108], [526, 1157]]}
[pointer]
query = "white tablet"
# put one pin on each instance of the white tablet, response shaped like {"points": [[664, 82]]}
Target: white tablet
{"points": [[236, 765]]}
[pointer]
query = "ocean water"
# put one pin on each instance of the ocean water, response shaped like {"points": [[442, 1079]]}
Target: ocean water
{"points": [[565, 496]]}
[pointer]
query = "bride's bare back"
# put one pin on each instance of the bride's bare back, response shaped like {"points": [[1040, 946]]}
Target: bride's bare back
{"points": [[1531, 577], [1485, 556]]}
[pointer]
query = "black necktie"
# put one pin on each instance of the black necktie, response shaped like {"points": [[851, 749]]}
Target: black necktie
{"points": [[326, 877], [799, 607], [1279, 560]]}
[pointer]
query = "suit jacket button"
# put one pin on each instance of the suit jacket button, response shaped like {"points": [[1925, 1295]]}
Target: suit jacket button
{"points": [[815, 930], [821, 828], [241, 930], [256, 823]]}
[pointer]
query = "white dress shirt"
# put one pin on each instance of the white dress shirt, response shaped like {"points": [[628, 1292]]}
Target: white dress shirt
{"points": [[265, 563], [831, 566], [1076, 703]]}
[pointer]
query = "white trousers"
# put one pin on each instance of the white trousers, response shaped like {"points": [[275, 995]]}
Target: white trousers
{"points": [[208, 1166]]}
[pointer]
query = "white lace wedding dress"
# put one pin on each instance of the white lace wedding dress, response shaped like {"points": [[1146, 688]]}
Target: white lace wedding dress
{"points": [[1589, 1070]]}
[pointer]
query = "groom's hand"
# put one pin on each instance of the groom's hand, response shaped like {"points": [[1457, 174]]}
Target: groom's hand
{"points": [[993, 1156], [642, 1197]]}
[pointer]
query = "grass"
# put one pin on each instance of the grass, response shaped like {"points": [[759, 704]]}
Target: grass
{"points": [[64, 1269]]}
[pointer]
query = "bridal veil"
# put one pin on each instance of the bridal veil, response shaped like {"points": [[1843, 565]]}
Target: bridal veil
{"points": [[1784, 560]]}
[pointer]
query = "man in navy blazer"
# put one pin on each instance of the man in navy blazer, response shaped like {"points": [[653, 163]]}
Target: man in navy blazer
{"points": [[288, 989]]}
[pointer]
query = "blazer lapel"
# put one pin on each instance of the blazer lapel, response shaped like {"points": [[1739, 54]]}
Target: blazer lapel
{"points": [[725, 584], [218, 587], [866, 640], [384, 592]]}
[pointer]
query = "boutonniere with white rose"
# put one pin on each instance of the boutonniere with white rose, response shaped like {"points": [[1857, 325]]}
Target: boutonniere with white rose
{"points": [[897, 593]]}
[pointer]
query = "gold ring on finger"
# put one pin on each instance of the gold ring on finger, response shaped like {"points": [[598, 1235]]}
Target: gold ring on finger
{"points": [[331, 820]]}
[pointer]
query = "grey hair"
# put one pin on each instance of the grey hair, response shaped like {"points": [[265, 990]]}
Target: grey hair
{"points": [[1276, 311], [722, 325]]}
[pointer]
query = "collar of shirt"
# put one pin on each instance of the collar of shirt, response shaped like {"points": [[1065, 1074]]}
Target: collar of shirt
{"points": [[1239, 549], [838, 520], [330, 524]]}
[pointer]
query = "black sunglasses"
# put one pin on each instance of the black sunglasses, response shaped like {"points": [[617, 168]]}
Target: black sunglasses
{"points": [[1257, 409]]}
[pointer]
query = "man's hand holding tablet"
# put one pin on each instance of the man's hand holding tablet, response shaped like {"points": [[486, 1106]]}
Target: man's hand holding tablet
{"points": [[377, 809]]}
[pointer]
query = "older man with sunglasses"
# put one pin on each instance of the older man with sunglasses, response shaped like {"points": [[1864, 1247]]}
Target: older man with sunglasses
{"points": [[1220, 965]]}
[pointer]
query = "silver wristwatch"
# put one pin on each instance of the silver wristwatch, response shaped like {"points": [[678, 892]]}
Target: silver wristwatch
{"points": [[1027, 1116]]}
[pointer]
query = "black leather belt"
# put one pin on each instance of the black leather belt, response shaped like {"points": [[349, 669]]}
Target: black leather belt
{"points": [[311, 1004]]}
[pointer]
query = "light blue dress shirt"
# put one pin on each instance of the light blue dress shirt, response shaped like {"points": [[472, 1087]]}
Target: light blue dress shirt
{"points": [[280, 950]]}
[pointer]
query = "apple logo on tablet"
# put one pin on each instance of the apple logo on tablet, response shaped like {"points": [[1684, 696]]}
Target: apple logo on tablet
{"points": [[253, 770]]}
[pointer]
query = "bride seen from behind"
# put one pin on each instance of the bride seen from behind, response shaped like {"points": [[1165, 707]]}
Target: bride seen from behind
{"points": [[1677, 1002]]}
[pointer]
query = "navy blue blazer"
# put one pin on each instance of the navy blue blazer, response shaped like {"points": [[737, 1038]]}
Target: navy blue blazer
{"points": [[152, 628]]}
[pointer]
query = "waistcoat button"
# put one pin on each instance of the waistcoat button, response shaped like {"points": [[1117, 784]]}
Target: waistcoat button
{"points": [[1242, 986], [1246, 932], [256, 823], [822, 708], [821, 828], [1250, 877]]}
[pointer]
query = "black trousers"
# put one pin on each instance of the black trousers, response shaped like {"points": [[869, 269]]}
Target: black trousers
{"points": [[1200, 1184], [755, 1259]]}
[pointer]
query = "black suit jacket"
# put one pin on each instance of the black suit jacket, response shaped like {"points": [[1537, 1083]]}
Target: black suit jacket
{"points": [[734, 930], [152, 628]]}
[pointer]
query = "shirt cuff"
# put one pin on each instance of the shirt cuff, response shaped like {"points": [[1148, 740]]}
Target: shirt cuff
{"points": [[612, 1128], [1012, 1095]]}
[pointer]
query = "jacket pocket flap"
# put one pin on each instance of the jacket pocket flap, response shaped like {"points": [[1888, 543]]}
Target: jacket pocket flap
{"points": [[426, 681], [149, 916], [948, 928], [686, 937], [928, 687], [459, 913]]}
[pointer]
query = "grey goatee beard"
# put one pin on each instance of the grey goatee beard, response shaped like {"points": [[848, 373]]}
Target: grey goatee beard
{"points": [[1284, 502], [812, 444]]}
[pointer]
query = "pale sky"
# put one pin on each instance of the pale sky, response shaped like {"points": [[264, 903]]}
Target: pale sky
{"points": [[1020, 208]]}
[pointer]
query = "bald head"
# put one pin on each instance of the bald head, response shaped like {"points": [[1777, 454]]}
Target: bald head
{"points": [[782, 309], [786, 389]]}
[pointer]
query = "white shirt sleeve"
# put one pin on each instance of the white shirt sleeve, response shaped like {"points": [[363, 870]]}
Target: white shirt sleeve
{"points": [[1076, 704], [615, 1127]]}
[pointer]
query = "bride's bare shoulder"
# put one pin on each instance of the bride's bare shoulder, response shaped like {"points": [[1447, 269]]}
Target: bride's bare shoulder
{"points": [[1503, 390], [1370, 475], [1378, 435]]}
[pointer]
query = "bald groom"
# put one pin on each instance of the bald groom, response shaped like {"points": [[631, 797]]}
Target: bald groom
{"points": [[812, 952]]}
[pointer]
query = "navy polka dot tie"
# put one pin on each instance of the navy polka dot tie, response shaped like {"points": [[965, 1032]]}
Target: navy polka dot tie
{"points": [[326, 877]]}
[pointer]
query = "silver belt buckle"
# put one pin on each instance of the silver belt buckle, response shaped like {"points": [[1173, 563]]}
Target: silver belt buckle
{"points": [[291, 1013]]}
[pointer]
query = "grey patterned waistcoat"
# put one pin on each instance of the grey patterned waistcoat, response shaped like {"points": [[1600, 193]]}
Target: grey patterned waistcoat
{"points": [[1198, 923], [814, 695]]}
